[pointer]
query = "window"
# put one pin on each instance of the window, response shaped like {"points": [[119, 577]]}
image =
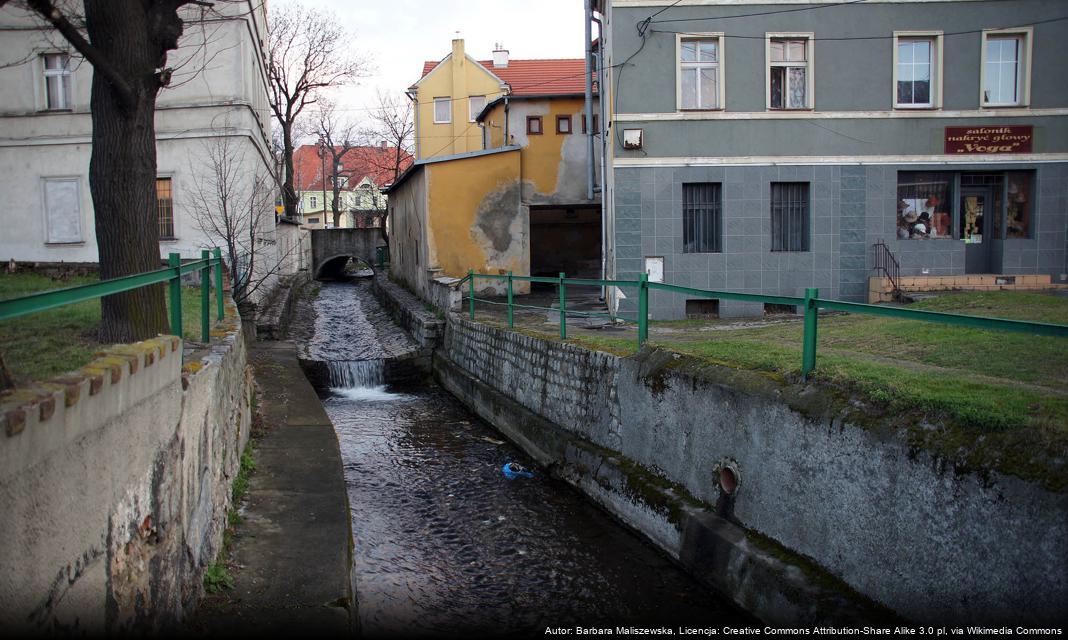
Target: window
{"points": [[63, 210], [534, 125], [475, 106], [442, 110], [917, 70], [701, 220], [313, 220], [924, 205], [789, 72], [789, 216], [596, 128], [313, 202], [165, 208], [1006, 68], [57, 80], [1018, 207], [563, 124], [700, 73]]}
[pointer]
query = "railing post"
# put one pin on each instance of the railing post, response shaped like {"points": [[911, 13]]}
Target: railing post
{"points": [[563, 308], [219, 284], [471, 292], [511, 315], [808, 358], [643, 309], [174, 261], [205, 297]]}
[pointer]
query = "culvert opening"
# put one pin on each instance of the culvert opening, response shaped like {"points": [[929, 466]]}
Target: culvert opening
{"points": [[727, 477]]}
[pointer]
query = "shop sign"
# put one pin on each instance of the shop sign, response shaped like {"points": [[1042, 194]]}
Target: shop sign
{"points": [[997, 139]]}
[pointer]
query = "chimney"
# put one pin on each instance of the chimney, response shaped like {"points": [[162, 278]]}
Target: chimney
{"points": [[383, 144], [458, 48], [500, 57]]}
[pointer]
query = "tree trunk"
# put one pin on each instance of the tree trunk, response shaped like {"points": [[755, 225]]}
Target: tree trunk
{"points": [[122, 168], [289, 194], [336, 205]]}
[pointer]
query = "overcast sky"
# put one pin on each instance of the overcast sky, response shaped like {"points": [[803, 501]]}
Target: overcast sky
{"points": [[398, 35]]}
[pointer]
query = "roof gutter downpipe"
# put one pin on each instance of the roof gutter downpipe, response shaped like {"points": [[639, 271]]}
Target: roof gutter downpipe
{"points": [[601, 126], [588, 48]]}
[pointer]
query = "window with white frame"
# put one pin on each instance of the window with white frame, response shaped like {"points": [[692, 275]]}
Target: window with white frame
{"points": [[700, 69], [56, 80], [476, 104], [917, 70], [63, 214], [442, 110], [1006, 68], [789, 71]]}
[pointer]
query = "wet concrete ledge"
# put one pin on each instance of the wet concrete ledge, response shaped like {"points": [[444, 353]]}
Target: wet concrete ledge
{"points": [[294, 544], [758, 575], [415, 316]]}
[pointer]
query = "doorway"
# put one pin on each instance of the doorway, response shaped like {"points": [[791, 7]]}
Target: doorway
{"points": [[978, 218], [565, 239]]}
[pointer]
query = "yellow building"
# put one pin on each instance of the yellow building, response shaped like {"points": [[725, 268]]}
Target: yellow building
{"points": [[505, 191], [448, 97]]}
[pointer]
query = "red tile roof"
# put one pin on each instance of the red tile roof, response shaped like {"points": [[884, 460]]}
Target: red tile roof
{"points": [[375, 163], [535, 77]]}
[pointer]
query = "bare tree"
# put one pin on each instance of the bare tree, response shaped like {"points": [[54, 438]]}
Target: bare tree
{"points": [[307, 52], [393, 122], [337, 137], [234, 208]]}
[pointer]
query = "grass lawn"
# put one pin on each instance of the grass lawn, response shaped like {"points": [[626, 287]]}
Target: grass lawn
{"points": [[53, 342], [992, 379]]}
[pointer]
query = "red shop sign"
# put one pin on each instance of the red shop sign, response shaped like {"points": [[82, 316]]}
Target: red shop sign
{"points": [[989, 139]]}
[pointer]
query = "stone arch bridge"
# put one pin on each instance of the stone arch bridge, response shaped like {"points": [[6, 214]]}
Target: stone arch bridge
{"points": [[332, 248]]}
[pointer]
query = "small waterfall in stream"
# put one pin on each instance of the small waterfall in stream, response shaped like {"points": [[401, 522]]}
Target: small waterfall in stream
{"points": [[354, 374], [360, 379]]}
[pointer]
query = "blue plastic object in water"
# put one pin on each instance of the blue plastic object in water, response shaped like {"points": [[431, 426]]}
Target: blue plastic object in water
{"points": [[513, 470]]}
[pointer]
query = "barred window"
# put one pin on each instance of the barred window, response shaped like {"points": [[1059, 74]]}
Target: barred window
{"points": [[701, 219], [789, 216], [165, 207]]}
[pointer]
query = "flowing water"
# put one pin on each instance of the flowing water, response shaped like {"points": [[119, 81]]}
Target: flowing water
{"points": [[444, 543]]}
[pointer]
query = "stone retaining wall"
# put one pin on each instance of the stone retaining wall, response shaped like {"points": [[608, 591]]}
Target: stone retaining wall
{"points": [[839, 499], [114, 486], [411, 313]]}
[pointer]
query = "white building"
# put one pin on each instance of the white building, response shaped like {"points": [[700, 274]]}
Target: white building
{"points": [[218, 94]]}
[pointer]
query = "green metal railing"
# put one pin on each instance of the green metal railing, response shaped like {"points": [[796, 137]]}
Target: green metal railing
{"points": [[811, 303], [172, 274]]}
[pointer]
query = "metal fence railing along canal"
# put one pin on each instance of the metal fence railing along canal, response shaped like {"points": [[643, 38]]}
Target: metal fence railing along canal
{"points": [[811, 304]]}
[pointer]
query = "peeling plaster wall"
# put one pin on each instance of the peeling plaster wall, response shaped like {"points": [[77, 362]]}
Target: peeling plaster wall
{"points": [[476, 219], [114, 487], [553, 164]]}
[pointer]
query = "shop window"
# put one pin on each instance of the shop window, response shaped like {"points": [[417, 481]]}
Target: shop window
{"points": [[789, 216], [701, 219], [924, 205], [1018, 207], [534, 125], [789, 72]]}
